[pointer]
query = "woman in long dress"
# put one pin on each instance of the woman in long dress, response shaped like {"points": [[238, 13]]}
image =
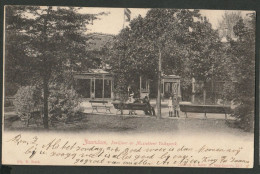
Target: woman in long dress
{"points": [[170, 106]]}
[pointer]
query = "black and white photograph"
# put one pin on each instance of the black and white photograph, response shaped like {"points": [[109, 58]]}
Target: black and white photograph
{"points": [[128, 86]]}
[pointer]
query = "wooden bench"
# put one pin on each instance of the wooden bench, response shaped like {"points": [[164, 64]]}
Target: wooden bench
{"points": [[120, 106], [95, 104], [217, 109]]}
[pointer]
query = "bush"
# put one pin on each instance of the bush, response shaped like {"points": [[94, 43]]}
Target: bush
{"points": [[64, 103], [8, 102], [27, 99], [10, 88], [244, 114]]}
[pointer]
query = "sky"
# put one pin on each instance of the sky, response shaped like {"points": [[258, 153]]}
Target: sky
{"points": [[112, 23]]}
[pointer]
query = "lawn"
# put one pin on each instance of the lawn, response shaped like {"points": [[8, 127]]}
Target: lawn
{"points": [[137, 124]]}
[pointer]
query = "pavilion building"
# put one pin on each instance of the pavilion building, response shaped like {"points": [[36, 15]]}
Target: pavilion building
{"points": [[99, 84], [95, 84]]}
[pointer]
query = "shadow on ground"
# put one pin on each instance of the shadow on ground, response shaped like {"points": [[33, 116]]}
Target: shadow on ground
{"points": [[127, 124]]}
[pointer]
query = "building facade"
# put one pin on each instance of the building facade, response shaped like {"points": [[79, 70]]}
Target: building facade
{"points": [[99, 84], [95, 84]]}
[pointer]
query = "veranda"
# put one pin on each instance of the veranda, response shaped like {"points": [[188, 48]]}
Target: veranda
{"points": [[99, 84]]}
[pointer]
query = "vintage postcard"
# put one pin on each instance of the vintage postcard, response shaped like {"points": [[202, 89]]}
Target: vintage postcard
{"points": [[128, 87]]}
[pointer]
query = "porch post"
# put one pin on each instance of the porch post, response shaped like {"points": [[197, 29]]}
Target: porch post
{"points": [[140, 86], [163, 87], [94, 87], [112, 94], [90, 87], [179, 88], [103, 87]]}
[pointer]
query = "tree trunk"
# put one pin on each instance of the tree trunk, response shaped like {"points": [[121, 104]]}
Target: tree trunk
{"points": [[46, 75], [45, 102], [159, 86], [193, 90], [204, 96]]}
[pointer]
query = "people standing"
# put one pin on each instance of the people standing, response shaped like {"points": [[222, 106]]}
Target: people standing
{"points": [[131, 100], [170, 106], [176, 106]]}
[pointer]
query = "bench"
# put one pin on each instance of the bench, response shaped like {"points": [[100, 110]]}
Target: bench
{"points": [[120, 106], [217, 109], [95, 104]]}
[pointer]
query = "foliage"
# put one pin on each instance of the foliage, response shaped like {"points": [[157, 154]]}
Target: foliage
{"points": [[27, 100], [189, 47], [10, 89], [64, 102], [54, 34], [19, 67], [242, 71], [206, 52], [226, 24], [44, 45], [244, 114]]}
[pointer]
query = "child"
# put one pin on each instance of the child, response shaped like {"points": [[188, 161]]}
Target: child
{"points": [[176, 106], [170, 106]]}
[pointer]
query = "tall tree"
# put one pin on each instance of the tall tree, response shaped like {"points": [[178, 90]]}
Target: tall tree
{"points": [[242, 71], [226, 24], [50, 42], [186, 40]]}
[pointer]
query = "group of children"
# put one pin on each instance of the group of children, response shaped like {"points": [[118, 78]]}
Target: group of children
{"points": [[173, 105]]}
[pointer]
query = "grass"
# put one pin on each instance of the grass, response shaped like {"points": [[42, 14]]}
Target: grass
{"points": [[127, 124]]}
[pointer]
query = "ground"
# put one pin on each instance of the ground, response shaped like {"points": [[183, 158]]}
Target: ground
{"points": [[136, 124], [131, 124]]}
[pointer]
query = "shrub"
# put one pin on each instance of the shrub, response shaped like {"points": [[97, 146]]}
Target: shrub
{"points": [[10, 88], [27, 99], [244, 114], [64, 103], [8, 102]]}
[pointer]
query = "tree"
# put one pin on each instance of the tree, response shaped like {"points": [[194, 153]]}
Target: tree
{"points": [[242, 71], [188, 45], [226, 24], [50, 42], [18, 65]]}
